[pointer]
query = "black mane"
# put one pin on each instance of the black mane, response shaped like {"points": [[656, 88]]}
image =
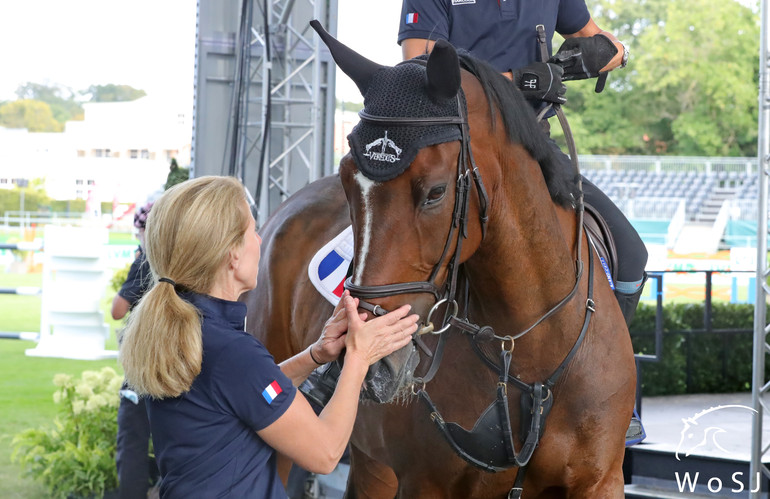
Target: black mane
{"points": [[520, 124]]}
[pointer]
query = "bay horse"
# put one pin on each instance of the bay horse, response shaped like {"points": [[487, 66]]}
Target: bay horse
{"points": [[474, 222]]}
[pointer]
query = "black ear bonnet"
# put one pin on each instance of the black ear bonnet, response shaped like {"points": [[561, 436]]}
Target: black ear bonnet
{"points": [[412, 89]]}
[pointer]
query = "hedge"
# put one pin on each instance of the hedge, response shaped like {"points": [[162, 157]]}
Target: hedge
{"points": [[695, 360]]}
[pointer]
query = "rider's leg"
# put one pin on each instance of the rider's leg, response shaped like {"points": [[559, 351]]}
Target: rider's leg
{"points": [[632, 254]]}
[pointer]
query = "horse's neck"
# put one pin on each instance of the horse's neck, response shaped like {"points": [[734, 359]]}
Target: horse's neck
{"points": [[526, 263]]}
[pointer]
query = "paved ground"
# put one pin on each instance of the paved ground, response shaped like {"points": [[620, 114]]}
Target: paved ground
{"points": [[721, 431]]}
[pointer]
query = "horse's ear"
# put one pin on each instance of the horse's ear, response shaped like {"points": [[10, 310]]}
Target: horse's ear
{"points": [[357, 67], [443, 71]]}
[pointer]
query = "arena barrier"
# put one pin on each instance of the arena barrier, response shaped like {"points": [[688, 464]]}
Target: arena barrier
{"points": [[74, 278], [21, 290], [22, 246]]}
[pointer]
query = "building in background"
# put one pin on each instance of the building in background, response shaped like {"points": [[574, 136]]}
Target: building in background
{"points": [[119, 153]]}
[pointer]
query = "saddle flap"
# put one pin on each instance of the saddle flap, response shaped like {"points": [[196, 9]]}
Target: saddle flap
{"points": [[600, 236]]}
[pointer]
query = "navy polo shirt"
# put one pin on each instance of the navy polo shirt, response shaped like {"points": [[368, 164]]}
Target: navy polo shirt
{"points": [[501, 32], [205, 440], [138, 280]]}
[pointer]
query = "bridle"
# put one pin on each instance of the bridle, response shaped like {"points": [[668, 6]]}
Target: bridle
{"points": [[457, 231], [493, 425], [448, 292]]}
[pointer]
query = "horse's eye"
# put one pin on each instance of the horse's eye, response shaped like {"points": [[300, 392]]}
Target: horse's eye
{"points": [[435, 195]]}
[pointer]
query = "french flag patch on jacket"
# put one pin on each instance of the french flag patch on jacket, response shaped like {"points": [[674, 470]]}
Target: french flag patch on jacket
{"points": [[411, 18], [271, 391]]}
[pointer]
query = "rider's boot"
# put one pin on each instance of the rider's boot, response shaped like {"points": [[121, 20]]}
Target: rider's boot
{"points": [[319, 387], [628, 294]]}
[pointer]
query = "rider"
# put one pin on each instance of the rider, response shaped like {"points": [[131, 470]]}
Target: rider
{"points": [[504, 34]]}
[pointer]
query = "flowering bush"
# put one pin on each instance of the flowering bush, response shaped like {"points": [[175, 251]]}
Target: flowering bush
{"points": [[76, 456]]}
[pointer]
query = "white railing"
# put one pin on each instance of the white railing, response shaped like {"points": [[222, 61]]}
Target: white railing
{"points": [[718, 229], [699, 164], [677, 223], [743, 209], [27, 218]]}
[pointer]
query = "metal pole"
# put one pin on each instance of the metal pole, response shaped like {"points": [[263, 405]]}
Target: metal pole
{"points": [[318, 137], [758, 386], [267, 67]]}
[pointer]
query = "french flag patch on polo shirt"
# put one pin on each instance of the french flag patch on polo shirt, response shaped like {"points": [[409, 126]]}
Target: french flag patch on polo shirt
{"points": [[271, 391], [411, 18]]}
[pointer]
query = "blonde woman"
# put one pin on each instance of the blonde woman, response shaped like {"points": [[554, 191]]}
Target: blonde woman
{"points": [[219, 406]]}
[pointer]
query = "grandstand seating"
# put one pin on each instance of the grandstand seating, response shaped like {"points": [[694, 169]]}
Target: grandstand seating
{"points": [[701, 191]]}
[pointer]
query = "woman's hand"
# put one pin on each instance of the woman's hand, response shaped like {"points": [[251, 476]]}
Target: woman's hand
{"points": [[379, 337], [332, 340]]}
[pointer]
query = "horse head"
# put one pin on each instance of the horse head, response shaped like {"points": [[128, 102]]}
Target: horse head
{"points": [[400, 180]]}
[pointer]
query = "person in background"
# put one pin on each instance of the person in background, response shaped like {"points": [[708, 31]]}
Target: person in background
{"points": [[136, 469], [218, 404]]}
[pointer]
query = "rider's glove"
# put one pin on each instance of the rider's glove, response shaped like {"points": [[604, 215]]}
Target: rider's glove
{"points": [[541, 81], [584, 57]]}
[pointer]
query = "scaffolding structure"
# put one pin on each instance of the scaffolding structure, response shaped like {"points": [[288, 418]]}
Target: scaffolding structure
{"points": [[264, 96], [760, 385]]}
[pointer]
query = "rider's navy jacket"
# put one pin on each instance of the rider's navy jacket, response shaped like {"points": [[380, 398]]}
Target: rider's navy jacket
{"points": [[205, 440], [501, 32]]}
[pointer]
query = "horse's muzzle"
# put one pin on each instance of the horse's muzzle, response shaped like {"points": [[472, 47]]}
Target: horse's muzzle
{"points": [[389, 376]]}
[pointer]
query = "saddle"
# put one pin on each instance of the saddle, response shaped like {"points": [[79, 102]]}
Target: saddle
{"points": [[600, 237]]}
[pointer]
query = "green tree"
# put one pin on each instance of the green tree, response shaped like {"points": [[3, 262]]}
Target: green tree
{"points": [[347, 106], [175, 175], [35, 199], [64, 105], [113, 93], [701, 69], [690, 87], [34, 115]]}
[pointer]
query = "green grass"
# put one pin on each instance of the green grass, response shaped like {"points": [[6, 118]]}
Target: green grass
{"points": [[26, 383], [114, 237], [122, 238], [19, 313]]}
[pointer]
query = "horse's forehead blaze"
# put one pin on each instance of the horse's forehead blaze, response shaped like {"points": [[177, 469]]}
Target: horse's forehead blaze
{"points": [[365, 188]]}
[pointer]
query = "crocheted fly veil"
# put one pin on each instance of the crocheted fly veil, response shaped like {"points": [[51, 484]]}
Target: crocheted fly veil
{"points": [[382, 151]]}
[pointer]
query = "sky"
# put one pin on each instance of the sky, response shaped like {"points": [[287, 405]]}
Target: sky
{"points": [[148, 44]]}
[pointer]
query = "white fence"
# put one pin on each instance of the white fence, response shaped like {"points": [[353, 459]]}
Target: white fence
{"points": [[700, 164]]}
